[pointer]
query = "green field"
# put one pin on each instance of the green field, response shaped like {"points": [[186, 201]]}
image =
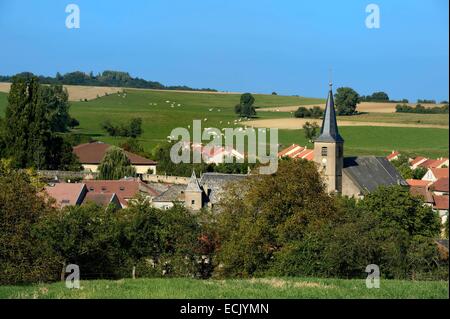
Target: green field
{"points": [[372, 140], [160, 119], [237, 288]]}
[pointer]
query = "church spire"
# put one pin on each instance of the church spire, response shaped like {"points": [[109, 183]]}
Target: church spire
{"points": [[193, 185], [329, 131]]}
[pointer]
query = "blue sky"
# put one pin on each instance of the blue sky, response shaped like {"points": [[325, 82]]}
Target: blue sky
{"points": [[287, 46]]}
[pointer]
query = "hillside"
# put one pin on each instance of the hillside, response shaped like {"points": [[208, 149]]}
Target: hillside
{"points": [[162, 111]]}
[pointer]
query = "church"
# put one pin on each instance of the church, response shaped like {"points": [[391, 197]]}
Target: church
{"points": [[349, 176]]}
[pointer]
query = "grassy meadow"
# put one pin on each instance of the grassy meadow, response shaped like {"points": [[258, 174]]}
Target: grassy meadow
{"points": [[160, 117], [270, 288]]}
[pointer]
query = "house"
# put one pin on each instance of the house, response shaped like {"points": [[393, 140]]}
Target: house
{"points": [[217, 155], [435, 163], [413, 164], [125, 189], [393, 156], [214, 155], [351, 176], [173, 195], [440, 187], [67, 194], [433, 174], [104, 199], [91, 154], [296, 151], [434, 194], [205, 191], [424, 162]]}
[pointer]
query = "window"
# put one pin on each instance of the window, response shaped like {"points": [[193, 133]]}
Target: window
{"points": [[192, 202], [324, 151], [122, 188], [103, 188]]}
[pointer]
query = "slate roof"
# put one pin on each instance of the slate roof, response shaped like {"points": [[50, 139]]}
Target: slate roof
{"points": [[175, 193], [214, 183], [329, 131], [193, 185], [93, 153], [369, 172], [102, 199]]}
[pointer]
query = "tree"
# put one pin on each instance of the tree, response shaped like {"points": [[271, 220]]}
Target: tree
{"points": [[316, 112], [88, 236], [302, 112], [73, 122], [24, 258], [346, 101], [132, 129], [419, 172], [115, 165], [55, 97], [265, 214], [238, 109], [397, 208], [135, 128], [31, 124], [246, 105], [311, 130]]}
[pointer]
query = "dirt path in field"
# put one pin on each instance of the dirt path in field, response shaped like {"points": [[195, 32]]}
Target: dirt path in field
{"points": [[362, 107], [78, 92], [296, 123]]}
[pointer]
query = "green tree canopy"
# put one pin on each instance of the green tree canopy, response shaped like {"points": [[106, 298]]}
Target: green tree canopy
{"points": [[115, 165], [311, 130], [246, 107], [33, 116], [346, 100]]}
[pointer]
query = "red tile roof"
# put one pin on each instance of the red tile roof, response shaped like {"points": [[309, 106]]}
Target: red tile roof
{"points": [[440, 202], [392, 155], [417, 160], [124, 189], [306, 154], [417, 182], [93, 153], [440, 172], [66, 193], [289, 149], [441, 185]]}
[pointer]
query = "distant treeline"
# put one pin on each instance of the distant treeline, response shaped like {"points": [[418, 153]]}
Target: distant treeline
{"points": [[106, 78], [404, 108], [381, 97]]}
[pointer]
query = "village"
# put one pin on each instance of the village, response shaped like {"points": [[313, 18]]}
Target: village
{"points": [[353, 177]]}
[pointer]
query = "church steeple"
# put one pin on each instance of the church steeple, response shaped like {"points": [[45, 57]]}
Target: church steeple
{"points": [[329, 148], [330, 131]]}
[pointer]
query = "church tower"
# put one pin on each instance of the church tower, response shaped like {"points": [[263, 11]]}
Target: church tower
{"points": [[193, 194], [329, 148]]}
